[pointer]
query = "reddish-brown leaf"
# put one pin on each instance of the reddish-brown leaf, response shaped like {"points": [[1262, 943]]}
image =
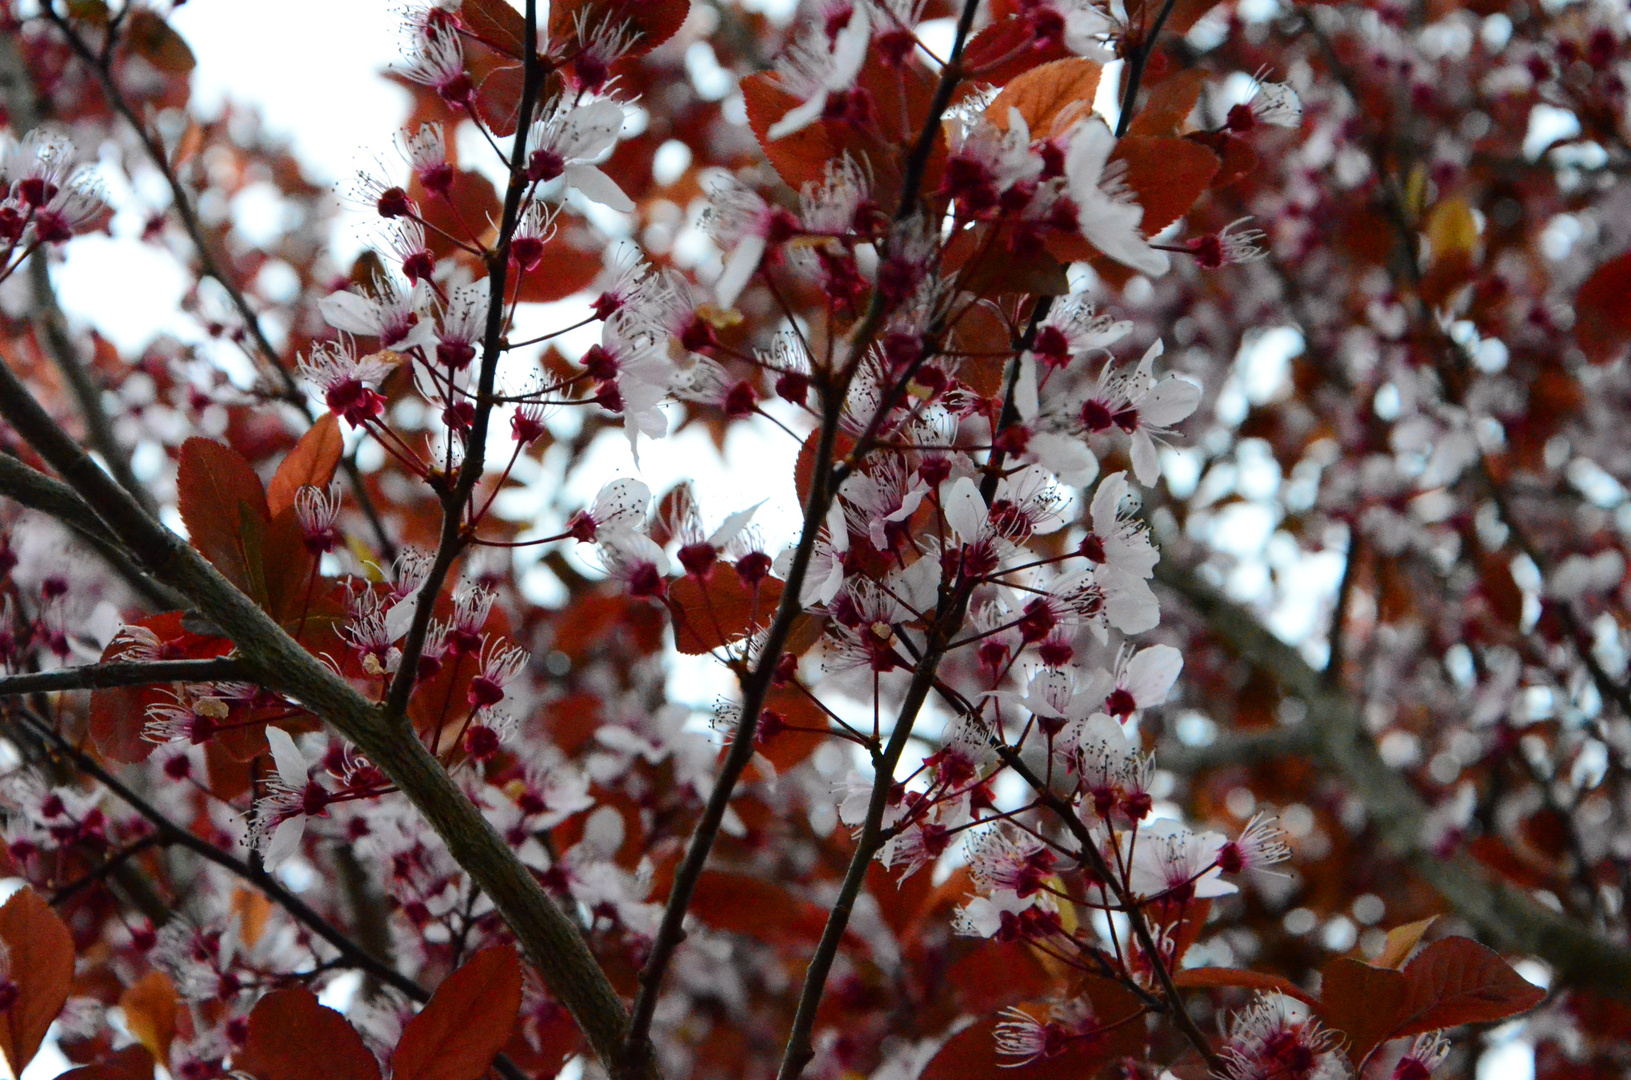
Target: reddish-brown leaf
{"points": [[498, 25], [131, 1063], [1455, 980], [568, 266], [289, 566], [1602, 311], [710, 612], [222, 503], [1007, 48], [146, 34], [1365, 1003], [789, 747], [41, 955], [498, 98], [478, 206], [1050, 97], [652, 21], [991, 270], [466, 1023], [800, 157], [1169, 104], [311, 462], [293, 1037], [742, 904], [1209, 978], [804, 465], [1167, 174]]}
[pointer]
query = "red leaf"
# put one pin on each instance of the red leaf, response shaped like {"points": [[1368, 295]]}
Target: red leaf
{"points": [[312, 461], [466, 1023], [566, 268], [498, 99], [478, 207], [1167, 174], [653, 21], [761, 909], [150, 1007], [1210, 978], [1169, 104], [804, 465], [41, 953], [1365, 1003], [147, 35], [293, 1037], [1015, 45], [222, 503], [1602, 311], [800, 157], [719, 609], [131, 1063], [498, 25], [1455, 980], [1452, 981]]}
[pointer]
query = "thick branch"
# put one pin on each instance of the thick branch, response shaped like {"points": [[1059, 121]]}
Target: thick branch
{"points": [[551, 940], [1509, 916], [53, 498], [208, 264]]}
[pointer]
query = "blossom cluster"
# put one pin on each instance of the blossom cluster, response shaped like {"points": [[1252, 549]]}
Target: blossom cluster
{"points": [[48, 194]]}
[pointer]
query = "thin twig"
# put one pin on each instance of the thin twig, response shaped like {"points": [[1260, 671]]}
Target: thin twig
{"points": [[453, 535], [1135, 69], [208, 263], [121, 673]]}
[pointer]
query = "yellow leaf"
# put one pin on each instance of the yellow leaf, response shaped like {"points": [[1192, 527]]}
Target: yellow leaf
{"points": [[149, 1006], [1452, 229], [1401, 942]]}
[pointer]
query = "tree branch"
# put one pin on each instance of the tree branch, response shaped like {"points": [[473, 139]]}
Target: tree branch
{"points": [[50, 327], [1509, 916], [35, 490], [453, 538], [552, 942], [208, 263], [117, 673]]}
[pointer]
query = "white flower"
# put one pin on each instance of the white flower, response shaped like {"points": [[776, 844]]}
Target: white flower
{"points": [[1118, 539], [820, 64], [1108, 214], [1140, 406], [392, 314], [1053, 693], [569, 139], [1170, 857], [1142, 679], [881, 502], [621, 506], [280, 817]]}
